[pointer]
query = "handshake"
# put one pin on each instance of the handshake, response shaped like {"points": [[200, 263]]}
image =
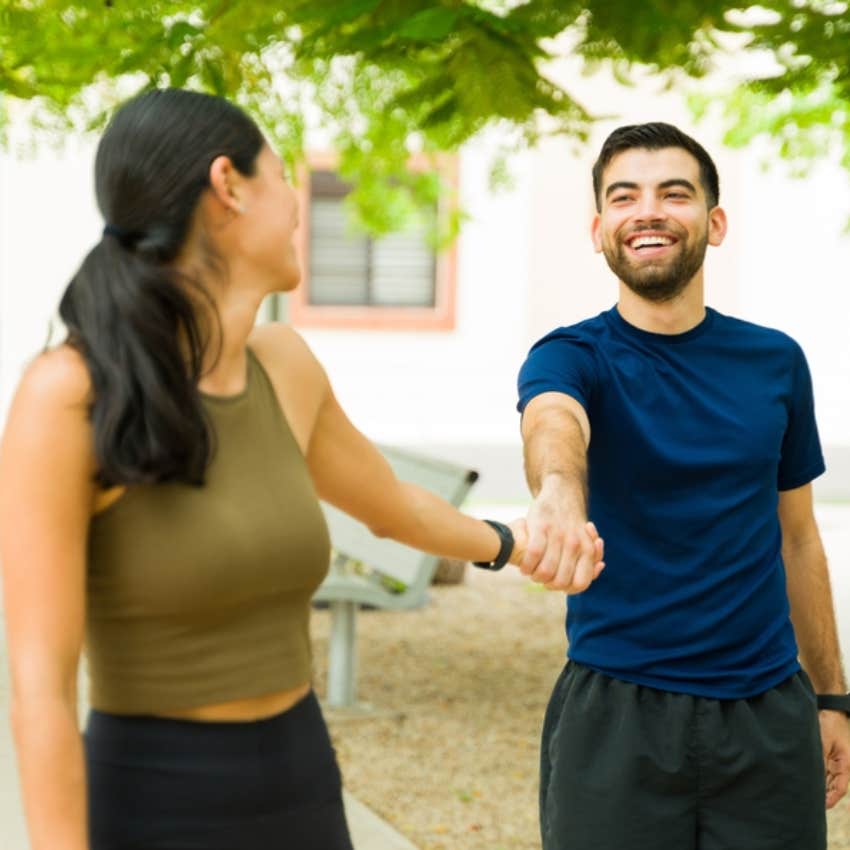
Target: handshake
{"points": [[556, 550]]}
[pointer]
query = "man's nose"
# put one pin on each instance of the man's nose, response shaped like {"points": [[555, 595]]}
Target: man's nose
{"points": [[649, 208]]}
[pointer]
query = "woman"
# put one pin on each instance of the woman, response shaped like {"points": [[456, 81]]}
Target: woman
{"points": [[160, 473]]}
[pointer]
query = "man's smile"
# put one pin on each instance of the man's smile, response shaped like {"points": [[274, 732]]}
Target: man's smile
{"points": [[649, 244]]}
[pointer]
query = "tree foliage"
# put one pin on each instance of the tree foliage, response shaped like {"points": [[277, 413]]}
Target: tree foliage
{"points": [[381, 78]]}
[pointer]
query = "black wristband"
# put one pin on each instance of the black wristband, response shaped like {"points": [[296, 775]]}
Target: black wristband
{"points": [[506, 537], [834, 702]]}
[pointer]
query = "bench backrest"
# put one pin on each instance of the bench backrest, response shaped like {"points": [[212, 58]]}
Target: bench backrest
{"points": [[402, 563]]}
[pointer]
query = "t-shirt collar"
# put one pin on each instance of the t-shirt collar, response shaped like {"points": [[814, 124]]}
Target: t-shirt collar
{"points": [[622, 326]]}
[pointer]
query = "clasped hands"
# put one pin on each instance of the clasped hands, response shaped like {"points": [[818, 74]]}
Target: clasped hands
{"points": [[559, 551]]}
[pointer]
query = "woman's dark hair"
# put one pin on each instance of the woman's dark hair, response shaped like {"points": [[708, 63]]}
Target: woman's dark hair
{"points": [[127, 310], [654, 136]]}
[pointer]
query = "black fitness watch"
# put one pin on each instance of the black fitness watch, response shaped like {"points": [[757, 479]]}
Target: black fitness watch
{"points": [[506, 537], [834, 702]]}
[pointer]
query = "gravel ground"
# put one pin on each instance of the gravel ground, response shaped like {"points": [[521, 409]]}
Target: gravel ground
{"points": [[449, 753]]}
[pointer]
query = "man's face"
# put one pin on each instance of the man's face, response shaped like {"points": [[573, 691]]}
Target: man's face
{"points": [[654, 224]]}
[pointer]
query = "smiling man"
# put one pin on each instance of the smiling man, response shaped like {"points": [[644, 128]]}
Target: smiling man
{"points": [[686, 716]]}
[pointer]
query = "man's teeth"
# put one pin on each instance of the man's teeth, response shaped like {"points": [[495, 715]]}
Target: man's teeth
{"points": [[654, 241]]}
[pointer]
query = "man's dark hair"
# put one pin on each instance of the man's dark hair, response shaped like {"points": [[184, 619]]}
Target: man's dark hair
{"points": [[652, 137]]}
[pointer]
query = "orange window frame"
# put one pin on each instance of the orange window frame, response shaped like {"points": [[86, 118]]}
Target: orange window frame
{"points": [[440, 317]]}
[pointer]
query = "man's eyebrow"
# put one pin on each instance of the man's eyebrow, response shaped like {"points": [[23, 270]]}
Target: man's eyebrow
{"points": [[620, 184], [666, 184], [678, 181]]}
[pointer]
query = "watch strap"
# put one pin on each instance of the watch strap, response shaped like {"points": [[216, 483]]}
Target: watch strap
{"points": [[506, 538], [834, 702]]}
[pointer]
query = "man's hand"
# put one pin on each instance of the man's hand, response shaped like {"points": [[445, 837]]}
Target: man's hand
{"points": [[835, 738], [563, 552]]}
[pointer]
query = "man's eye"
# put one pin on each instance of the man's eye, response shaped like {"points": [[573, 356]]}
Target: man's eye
{"points": [[677, 195], [618, 199]]}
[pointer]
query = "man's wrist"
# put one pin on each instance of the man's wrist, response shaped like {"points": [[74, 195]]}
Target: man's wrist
{"points": [[564, 492], [559, 479]]}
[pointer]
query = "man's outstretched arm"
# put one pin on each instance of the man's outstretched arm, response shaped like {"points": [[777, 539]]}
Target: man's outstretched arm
{"points": [[564, 550], [813, 616]]}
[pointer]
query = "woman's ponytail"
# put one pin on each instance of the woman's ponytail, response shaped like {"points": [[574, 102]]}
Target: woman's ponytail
{"points": [[134, 319], [139, 335]]}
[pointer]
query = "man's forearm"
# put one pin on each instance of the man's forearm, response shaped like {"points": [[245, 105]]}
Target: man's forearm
{"points": [[813, 615], [556, 459], [564, 551]]}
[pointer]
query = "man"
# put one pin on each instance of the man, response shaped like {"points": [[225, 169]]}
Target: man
{"points": [[683, 719]]}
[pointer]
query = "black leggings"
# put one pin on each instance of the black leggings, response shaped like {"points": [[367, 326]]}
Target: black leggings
{"points": [[160, 784]]}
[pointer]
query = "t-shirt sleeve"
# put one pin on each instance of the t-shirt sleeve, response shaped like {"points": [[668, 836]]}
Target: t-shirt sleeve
{"points": [[561, 362], [801, 460]]}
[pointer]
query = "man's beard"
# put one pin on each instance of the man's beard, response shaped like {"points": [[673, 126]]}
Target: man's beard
{"points": [[657, 282]]}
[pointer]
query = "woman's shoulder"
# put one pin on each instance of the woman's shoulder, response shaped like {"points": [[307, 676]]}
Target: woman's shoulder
{"points": [[58, 377], [48, 432], [284, 352]]}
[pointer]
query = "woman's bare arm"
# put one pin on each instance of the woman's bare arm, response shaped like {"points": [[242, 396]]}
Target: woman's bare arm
{"points": [[46, 492], [350, 472]]}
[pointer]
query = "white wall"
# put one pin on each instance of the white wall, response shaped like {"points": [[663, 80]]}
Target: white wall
{"points": [[794, 274], [48, 220]]}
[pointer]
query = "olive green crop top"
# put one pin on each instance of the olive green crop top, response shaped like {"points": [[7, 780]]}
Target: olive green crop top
{"points": [[201, 595]]}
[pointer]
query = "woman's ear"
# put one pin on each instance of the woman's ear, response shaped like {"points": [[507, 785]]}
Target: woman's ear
{"points": [[225, 183]]}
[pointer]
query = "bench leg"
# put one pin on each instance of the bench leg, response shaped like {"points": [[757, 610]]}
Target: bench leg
{"points": [[342, 666]]}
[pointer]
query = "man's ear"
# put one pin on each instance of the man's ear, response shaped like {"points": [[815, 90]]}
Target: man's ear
{"points": [[596, 233], [224, 183], [717, 226]]}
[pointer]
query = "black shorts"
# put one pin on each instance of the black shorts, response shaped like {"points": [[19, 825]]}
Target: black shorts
{"points": [[628, 767], [159, 784]]}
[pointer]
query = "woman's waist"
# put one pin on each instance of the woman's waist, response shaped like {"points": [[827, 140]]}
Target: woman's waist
{"points": [[203, 734], [242, 710]]}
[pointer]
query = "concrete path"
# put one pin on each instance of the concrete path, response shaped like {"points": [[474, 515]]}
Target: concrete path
{"points": [[369, 832]]}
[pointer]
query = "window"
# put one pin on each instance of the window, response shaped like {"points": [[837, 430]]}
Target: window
{"points": [[346, 269], [353, 281]]}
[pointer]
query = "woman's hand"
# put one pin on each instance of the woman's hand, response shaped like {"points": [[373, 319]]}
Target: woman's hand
{"points": [[519, 529]]}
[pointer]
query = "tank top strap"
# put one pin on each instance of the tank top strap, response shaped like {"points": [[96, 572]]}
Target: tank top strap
{"points": [[264, 399]]}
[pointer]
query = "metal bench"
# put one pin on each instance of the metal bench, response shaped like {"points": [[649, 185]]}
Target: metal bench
{"points": [[378, 572]]}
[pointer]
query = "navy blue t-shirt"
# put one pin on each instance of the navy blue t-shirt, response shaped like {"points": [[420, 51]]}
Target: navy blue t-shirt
{"points": [[693, 435]]}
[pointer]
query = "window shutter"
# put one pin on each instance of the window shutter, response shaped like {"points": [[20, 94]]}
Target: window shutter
{"points": [[339, 263], [403, 270], [398, 270]]}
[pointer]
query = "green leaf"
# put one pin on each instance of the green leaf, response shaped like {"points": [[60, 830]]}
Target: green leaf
{"points": [[430, 25], [179, 32]]}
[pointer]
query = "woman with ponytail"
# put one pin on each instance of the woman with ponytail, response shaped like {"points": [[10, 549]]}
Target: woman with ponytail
{"points": [[160, 475]]}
